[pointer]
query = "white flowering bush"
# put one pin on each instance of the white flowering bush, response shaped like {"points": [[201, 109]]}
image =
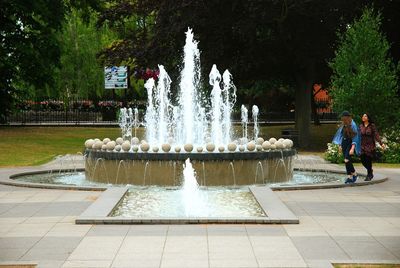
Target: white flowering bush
{"points": [[392, 141], [332, 154], [391, 154]]}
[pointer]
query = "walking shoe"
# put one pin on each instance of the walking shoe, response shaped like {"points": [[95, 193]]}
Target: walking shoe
{"points": [[348, 181], [369, 177], [354, 178]]}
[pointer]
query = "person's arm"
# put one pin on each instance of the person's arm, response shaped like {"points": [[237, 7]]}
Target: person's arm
{"points": [[337, 139], [376, 134], [356, 140], [377, 138], [353, 147]]}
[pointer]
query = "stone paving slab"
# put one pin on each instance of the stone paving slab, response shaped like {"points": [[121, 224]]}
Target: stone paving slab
{"points": [[344, 225]]}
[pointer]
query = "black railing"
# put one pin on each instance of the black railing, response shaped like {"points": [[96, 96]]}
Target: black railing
{"points": [[110, 116], [105, 112], [73, 116]]}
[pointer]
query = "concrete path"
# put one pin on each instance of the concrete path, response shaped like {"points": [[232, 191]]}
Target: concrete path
{"points": [[355, 224]]}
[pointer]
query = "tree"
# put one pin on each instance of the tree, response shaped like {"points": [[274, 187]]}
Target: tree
{"points": [[80, 74], [364, 76], [28, 46]]}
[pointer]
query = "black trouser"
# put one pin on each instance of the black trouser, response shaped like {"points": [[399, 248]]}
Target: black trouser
{"points": [[346, 146], [366, 160]]}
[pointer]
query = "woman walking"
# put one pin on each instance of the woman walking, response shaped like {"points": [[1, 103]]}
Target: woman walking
{"points": [[348, 139], [369, 136]]}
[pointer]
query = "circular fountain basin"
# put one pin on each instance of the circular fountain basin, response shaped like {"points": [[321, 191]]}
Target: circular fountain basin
{"points": [[213, 169], [300, 178]]}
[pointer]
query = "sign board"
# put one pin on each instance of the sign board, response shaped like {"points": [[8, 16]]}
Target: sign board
{"points": [[116, 77]]}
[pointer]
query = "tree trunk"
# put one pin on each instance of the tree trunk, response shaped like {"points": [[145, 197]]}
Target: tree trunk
{"points": [[303, 103], [315, 115]]}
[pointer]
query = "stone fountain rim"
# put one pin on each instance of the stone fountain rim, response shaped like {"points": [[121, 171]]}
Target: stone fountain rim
{"points": [[378, 178]]}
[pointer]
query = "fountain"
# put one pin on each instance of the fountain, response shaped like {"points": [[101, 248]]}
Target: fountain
{"points": [[189, 125]]}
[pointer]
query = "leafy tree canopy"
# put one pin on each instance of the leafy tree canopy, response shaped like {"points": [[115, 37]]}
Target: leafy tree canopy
{"points": [[364, 75]]}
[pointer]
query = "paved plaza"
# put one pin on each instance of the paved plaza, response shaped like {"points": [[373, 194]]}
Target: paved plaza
{"points": [[352, 224]]}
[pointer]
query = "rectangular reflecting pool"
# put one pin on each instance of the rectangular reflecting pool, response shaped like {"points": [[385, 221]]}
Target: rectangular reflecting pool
{"points": [[218, 202]]}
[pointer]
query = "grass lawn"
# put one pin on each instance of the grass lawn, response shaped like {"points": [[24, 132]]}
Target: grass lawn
{"points": [[22, 146]]}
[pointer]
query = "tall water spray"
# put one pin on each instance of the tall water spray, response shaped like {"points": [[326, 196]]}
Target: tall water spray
{"points": [[229, 95], [150, 117], [255, 112], [186, 119], [163, 105], [245, 119], [188, 98], [126, 121], [216, 106], [136, 122]]}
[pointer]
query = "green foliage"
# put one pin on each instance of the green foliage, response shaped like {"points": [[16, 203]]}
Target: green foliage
{"points": [[392, 152], [390, 155], [332, 154], [28, 48], [80, 74], [364, 76]]}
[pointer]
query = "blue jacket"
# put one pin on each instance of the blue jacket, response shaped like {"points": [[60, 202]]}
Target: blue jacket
{"points": [[337, 139]]}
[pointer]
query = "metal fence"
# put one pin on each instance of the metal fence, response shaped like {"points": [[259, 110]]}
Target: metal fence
{"points": [[78, 117], [105, 112], [43, 117]]}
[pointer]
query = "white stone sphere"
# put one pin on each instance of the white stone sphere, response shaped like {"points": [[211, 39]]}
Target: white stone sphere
{"points": [[96, 139], [259, 141], [279, 145], [106, 140], [232, 147], [221, 149], [259, 147], [89, 143], [251, 146], [145, 147], [272, 140], [188, 147], [288, 143], [98, 145], [210, 147], [266, 145], [135, 148], [104, 147], [135, 140], [200, 149], [117, 148], [119, 140], [155, 149], [111, 145], [273, 146], [126, 146], [177, 149], [166, 147], [143, 141], [241, 148]]}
